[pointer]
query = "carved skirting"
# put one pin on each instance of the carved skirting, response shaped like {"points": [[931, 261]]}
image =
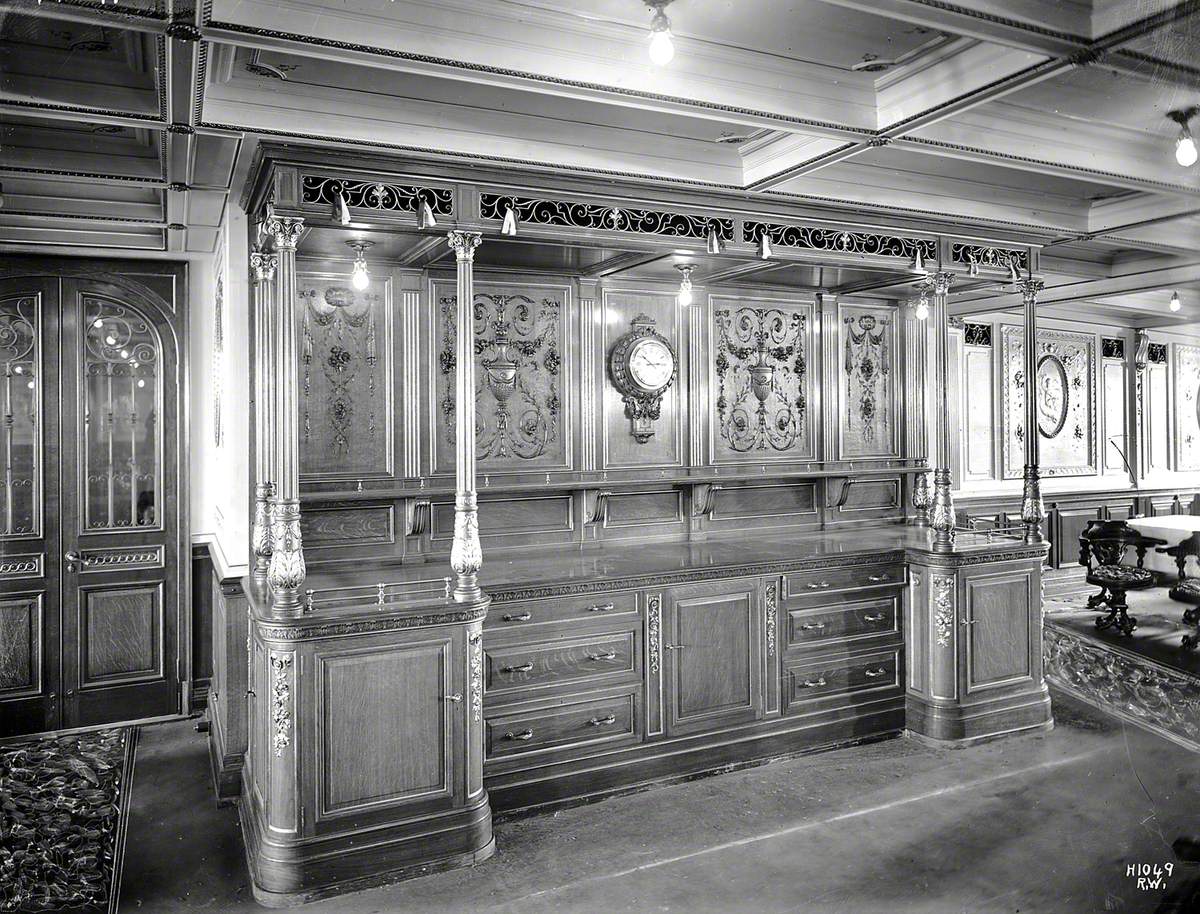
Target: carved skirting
{"points": [[281, 702], [1124, 684]]}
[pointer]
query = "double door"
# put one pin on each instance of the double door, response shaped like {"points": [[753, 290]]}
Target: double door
{"points": [[89, 502]]}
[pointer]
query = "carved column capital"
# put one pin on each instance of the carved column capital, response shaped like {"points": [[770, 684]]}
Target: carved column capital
{"points": [[263, 264], [1030, 289], [941, 282], [285, 230], [464, 244]]}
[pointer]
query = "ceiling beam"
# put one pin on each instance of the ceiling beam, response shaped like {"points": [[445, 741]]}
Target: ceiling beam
{"points": [[115, 16], [619, 263], [1150, 280]]}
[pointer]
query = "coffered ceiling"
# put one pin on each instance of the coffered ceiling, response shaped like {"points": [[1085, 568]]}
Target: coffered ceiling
{"points": [[123, 124]]}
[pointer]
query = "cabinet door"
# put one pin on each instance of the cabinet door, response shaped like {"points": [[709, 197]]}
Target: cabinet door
{"points": [[713, 655], [1002, 642]]}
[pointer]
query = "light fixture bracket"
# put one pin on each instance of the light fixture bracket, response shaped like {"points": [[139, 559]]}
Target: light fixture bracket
{"points": [[1182, 116]]}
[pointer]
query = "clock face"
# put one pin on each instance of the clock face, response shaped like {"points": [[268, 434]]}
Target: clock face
{"points": [[651, 364]]}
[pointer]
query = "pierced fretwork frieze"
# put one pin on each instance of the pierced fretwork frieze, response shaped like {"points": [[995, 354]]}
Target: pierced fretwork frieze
{"points": [[977, 334], [977, 255], [604, 217], [819, 238], [1112, 347], [376, 195], [760, 376]]}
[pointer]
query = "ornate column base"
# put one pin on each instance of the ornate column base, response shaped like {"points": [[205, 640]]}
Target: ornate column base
{"points": [[1032, 511], [922, 499], [466, 555], [260, 533], [287, 571], [941, 515]]}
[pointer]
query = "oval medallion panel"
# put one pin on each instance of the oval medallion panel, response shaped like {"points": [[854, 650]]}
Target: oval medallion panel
{"points": [[1052, 395]]}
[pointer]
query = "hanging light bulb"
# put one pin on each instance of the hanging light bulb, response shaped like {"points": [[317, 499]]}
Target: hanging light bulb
{"points": [[922, 310], [341, 212], [662, 48], [685, 284], [509, 227], [1176, 304], [360, 277], [764, 245], [425, 218], [714, 244], [1185, 144]]}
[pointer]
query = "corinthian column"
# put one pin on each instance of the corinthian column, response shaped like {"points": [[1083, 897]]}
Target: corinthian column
{"points": [[1032, 511], [941, 515], [286, 571], [466, 555], [263, 265]]}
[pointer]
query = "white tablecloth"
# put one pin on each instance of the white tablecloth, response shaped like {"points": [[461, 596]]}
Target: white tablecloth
{"points": [[1173, 528]]}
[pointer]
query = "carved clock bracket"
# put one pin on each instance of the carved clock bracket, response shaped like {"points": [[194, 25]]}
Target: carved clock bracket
{"points": [[642, 365]]}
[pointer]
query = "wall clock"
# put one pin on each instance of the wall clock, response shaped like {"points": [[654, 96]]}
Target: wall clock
{"points": [[642, 365]]}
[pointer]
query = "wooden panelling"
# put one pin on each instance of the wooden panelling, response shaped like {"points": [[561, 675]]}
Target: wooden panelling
{"points": [[643, 509], [863, 618], [867, 404], [775, 500], [122, 633], [20, 645], [579, 724], [866, 494], [808, 584], [836, 677], [518, 668], [997, 622], [536, 613], [355, 525], [383, 727], [501, 516], [1070, 523]]}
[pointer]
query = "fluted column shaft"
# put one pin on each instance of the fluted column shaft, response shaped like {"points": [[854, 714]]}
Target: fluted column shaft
{"points": [[941, 517], [466, 554], [1032, 511], [263, 266], [287, 571]]}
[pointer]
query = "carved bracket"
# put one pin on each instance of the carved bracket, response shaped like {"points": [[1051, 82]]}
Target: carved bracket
{"points": [[598, 513], [704, 498], [416, 516]]}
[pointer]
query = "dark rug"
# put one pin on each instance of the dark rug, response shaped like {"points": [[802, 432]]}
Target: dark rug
{"points": [[64, 801]]}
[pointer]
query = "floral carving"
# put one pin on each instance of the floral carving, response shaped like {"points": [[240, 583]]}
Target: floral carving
{"points": [[476, 677], [867, 361], [281, 702], [943, 608], [771, 600], [1187, 407], [654, 629]]}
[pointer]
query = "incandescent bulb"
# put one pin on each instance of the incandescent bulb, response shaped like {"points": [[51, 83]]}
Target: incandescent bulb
{"points": [[922, 310], [1185, 149], [662, 49], [685, 297], [360, 279], [1176, 304]]}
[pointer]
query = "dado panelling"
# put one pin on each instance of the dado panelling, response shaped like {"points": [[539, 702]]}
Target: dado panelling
{"points": [[524, 387], [347, 366], [760, 380], [868, 394], [1187, 407], [1065, 392]]}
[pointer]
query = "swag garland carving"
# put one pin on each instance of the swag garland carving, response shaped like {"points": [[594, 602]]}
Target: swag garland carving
{"points": [[868, 365], [760, 372], [517, 348]]}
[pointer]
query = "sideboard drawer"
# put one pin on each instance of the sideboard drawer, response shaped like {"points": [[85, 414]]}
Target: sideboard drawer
{"points": [[809, 680], [853, 577], [563, 661], [581, 723], [852, 619], [524, 613]]}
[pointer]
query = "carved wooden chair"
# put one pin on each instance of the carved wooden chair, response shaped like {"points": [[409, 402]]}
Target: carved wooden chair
{"points": [[1102, 548], [1186, 590]]}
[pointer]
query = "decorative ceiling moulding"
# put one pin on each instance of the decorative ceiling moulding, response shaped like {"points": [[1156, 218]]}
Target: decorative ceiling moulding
{"points": [[982, 257], [379, 197], [841, 241], [609, 217]]}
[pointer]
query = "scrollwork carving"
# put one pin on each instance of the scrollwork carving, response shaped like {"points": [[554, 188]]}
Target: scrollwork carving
{"points": [[819, 238], [942, 595], [654, 631], [281, 701], [376, 195], [867, 362], [603, 217], [771, 601]]}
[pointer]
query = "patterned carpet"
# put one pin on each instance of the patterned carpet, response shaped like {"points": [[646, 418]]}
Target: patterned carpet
{"points": [[63, 808]]}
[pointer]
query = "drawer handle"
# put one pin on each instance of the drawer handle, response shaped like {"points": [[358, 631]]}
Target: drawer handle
{"points": [[874, 617], [879, 578], [810, 626], [602, 608], [603, 721], [674, 647], [456, 697], [875, 674], [517, 617], [813, 683], [603, 655], [522, 668], [524, 735], [823, 585]]}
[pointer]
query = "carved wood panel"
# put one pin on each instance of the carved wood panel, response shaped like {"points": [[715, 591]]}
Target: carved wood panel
{"points": [[997, 638], [21, 645], [522, 376], [867, 387], [346, 368], [348, 524], [1065, 390], [761, 382], [1187, 407], [122, 634]]}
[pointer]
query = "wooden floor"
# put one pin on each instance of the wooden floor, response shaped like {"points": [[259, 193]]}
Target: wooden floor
{"points": [[1044, 823]]}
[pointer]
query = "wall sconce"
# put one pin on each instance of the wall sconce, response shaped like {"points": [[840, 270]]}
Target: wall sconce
{"points": [[360, 278], [425, 219], [714, 244], [1014, 275], [662, 48], [922, 310], [918, 263], [509, 227], [1176, 304], [685, 283], [341, 212], [764, 245]]}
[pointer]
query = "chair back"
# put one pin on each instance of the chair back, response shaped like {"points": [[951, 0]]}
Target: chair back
{"points": [[1106, 541]]}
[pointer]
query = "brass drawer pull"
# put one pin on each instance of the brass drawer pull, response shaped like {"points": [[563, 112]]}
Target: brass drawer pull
{"points": [[875, 617], [517, 617], [524, 735], [812, 626], [602, 608], [522, 668], [879, 578], [603, 655], [603, 721], [875, 674], [813, 683], [823, 585], [674, 647], [456, 697]]}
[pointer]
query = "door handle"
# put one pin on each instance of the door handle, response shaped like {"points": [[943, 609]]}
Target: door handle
{"points": [[73, 556]]}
